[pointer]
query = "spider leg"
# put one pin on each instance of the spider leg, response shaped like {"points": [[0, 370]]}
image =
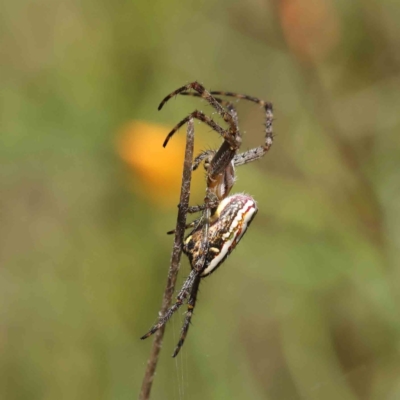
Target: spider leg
{"points": [[202, 117], [197, 268], [220, 101], [193, 94], [204, 155], [268, 120], [191, 305], [232, 110], [257, 152], [194, 209], [252, 155], [192, 224], [268, 117], [253, 99], [182, 295], [231, 134], [266, 104], [228, 94], [204, 93]]}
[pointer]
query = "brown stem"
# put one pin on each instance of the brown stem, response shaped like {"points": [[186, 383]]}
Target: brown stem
{"points": [[175, 260]]}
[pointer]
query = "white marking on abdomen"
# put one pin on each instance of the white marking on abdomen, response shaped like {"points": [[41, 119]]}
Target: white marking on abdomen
{"points": [[249, 209]]}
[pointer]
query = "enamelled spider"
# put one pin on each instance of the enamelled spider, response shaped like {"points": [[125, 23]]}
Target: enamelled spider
{"points": [[224, 219]]}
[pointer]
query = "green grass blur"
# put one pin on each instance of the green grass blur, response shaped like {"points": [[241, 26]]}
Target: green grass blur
{"points": [[308, 305]]}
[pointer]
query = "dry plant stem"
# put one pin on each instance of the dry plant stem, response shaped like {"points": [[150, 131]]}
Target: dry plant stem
{"points": [[175, 260]]}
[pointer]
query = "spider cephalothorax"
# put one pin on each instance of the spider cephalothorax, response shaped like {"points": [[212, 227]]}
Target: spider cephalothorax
{"points": [[223, 220]]}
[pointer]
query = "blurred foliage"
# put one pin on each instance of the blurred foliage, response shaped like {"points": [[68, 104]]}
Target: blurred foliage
{"points": [[307, 306]]}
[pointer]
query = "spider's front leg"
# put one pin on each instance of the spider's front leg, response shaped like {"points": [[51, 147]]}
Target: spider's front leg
{"points": [[253, 154], [229, 134], [260, 151]]}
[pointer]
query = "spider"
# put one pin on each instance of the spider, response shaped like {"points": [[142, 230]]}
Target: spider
{"points": [[224, 218]]}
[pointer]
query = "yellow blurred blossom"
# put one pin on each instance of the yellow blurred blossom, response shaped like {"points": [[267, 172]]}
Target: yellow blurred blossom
{"points": [[158, 169]]}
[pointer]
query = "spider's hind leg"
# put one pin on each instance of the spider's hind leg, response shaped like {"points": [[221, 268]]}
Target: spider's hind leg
{"points": [[191, 305], [182, 295]]}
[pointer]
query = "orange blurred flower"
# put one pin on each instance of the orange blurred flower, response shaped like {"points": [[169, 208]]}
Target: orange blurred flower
{"points": [[311, 27], [158, 169]]}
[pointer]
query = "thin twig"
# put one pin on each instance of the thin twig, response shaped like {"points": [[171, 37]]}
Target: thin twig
{"points": [[175, 260]]}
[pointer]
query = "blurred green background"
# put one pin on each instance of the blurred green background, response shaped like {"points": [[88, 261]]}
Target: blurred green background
{"points": [[308, 305]]}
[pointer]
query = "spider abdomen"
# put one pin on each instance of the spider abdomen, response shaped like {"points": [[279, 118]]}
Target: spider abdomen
{"points": [[228, 225]]}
